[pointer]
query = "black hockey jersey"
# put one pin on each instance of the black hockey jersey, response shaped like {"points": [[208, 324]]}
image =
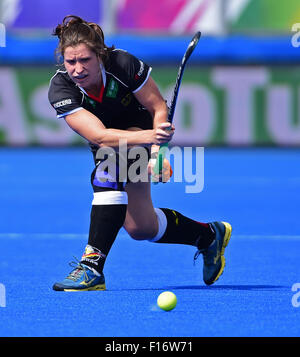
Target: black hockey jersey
{"points": [[116, 105]]}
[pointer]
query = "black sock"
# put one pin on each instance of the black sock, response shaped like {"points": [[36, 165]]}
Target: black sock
{"points": [[183, 230], [106, 221]]}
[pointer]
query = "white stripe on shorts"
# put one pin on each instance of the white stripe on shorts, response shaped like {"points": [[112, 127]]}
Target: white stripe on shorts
{"points": [[110, 198]]}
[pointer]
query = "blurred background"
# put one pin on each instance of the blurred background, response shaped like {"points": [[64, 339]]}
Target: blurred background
{"points": [[241, 86]]}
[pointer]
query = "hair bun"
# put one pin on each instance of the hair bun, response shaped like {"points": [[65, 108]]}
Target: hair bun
{"points": [[67, 21], [71, 20], [74, 30]]}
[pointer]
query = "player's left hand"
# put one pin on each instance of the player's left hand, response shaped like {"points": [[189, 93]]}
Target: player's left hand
{"points": [[166, 173]]}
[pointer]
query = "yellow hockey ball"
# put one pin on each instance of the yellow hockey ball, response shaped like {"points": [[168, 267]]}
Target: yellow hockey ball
{"points": [[167, 300]]}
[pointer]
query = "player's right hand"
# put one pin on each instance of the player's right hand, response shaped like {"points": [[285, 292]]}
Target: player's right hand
{"points": [[163, 133]]}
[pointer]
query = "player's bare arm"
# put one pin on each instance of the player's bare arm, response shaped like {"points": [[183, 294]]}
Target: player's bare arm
{"points": [[150, 97], [92, 129]]}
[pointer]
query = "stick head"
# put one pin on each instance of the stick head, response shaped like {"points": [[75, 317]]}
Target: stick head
{"points": [[192, 46]]}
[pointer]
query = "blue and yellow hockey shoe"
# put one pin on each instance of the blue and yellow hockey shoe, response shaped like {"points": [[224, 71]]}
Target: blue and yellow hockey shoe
{"points": [[81, 278], [213, 256]]}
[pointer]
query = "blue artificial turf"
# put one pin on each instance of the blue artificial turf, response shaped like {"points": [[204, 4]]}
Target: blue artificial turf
{"points": [[45, 200]]}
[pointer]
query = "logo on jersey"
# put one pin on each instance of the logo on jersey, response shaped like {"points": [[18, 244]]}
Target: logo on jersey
{"points": [[140, 72], [126, 100], [62, 103], [90, 102], [112, 89]]}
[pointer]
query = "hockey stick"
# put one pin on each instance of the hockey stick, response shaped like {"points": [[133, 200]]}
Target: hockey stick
{"points": [[163, 148]]}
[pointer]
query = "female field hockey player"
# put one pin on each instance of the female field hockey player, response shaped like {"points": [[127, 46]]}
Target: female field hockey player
{"points": [[107, 96]]}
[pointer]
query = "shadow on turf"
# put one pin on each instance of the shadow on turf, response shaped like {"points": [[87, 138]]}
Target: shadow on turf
{"points": [[213, 287], [228, 287]]}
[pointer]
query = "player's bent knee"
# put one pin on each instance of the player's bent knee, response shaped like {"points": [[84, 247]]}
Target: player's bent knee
{"points": [[140, 234]]}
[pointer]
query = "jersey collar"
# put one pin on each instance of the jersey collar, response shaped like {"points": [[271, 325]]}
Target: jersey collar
{"points": [[103, 73]]}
